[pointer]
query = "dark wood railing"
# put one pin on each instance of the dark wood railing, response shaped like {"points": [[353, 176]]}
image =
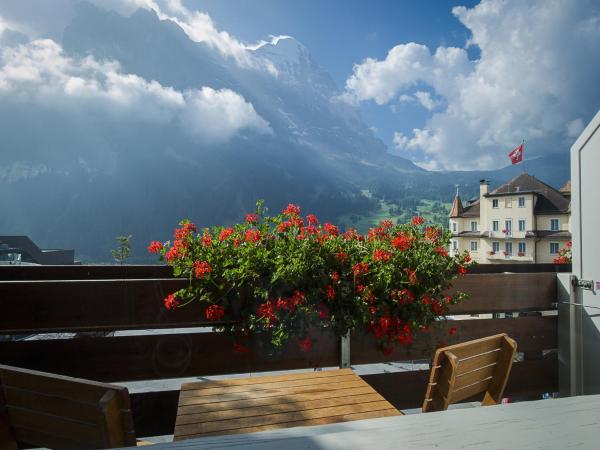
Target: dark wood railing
{"points": [[94, 300]]}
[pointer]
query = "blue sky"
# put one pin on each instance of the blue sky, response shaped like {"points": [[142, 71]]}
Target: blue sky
{"points": [[342, 33]]}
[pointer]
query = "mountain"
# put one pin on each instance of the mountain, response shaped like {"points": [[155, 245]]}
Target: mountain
{"points": [[78, 177]]}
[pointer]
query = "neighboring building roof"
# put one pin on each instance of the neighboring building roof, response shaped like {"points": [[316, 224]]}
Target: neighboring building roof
{"points": [[457, 208], [28, 252], [566, 188], [549, 200], [544, 234], [471, 210]]}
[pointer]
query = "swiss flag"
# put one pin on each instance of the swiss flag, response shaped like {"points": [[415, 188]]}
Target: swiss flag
{"points": [[516, 156]]}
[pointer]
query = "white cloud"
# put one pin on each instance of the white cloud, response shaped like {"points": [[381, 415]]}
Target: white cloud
{"points": [[41, 73], [426, 101], [217, 115], [535, 80], [41, 18]]}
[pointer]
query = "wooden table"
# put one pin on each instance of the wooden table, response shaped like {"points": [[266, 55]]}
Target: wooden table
{"points": [[559, 424], [246, 405]]}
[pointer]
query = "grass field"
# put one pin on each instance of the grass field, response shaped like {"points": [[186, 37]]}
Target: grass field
{"points": [[435, 212]]}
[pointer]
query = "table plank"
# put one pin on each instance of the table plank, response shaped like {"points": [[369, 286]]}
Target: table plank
{"points": [[253, 404]]}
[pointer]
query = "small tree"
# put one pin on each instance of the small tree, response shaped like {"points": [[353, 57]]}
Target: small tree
{"points": [[124, 249]]}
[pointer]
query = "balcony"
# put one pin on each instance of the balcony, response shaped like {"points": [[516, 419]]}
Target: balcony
{"points": [[108, 323]]}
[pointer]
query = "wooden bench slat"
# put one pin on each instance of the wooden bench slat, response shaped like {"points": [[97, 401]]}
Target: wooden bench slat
{"points": [[54, 425], [51, 404], [485, 359], [474, 376]]}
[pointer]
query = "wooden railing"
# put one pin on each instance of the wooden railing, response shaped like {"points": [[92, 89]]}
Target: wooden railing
{"points": [[94, 300]]}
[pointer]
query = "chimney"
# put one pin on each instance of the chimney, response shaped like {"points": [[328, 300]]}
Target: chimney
{"points": [[483, 188]]}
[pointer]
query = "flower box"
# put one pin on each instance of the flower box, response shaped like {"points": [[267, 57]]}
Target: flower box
{"points": [[521, 254], [280, 277]]}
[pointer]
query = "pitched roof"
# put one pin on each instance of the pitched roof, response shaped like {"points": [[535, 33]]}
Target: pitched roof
{"points": [[472, 210], [549, 199], [457, 208], [566, 188]]}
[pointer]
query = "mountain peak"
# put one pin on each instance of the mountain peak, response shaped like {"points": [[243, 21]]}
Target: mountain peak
{"points": [[283, 49]]}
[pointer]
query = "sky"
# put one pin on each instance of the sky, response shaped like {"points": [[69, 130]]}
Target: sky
{"points": [[447, 84]]}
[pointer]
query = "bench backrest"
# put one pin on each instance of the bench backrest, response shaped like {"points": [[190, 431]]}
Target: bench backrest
{"points": [[45, 410], [461, 371]]}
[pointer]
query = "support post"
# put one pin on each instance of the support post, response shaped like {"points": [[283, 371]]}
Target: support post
{"points": [[345, 351]]}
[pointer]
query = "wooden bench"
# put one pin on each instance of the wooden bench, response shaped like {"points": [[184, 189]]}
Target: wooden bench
{"points": [[461, 371], [246, 405], [45, 410]]}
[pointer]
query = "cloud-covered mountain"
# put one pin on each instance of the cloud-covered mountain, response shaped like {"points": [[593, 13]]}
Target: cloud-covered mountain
{"points": [[128, 125]]}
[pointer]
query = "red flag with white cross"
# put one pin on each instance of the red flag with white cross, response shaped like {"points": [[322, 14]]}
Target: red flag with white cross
{"points": [[516, 155]]}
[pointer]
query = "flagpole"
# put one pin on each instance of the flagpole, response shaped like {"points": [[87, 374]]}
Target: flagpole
{"points": [[523, 150]]}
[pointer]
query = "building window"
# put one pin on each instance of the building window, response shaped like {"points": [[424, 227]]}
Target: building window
{"points": [[473, 226], [454, 227], [495, 203], [454, 245], [522, 248], [495, 225], [473, 246], [554, 225], [495, 247], [508, 248], [521, 202], [554, 248], [508, 202], [508, 227], [521, 224]]}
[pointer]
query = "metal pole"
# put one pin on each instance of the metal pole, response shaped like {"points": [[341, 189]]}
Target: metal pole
{"points": [[345, 351]]}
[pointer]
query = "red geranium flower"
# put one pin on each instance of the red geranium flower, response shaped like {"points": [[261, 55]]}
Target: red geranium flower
{"points": [[331, 230], [155, 247], [202, 268], [252, 218], [171, 302], [452, 331], [462, 270], [252, 235], [417, 220], [206, 239], [291, 210], [402, 242], [360, 268], [311, 219], [215, 312], [225, 234], [341, 256], [381, 255], [330, 292], [442, 251], [335, 277]]}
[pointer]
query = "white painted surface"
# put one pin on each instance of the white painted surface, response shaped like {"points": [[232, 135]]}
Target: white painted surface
{"points": [[545, 424], [585, 180]]}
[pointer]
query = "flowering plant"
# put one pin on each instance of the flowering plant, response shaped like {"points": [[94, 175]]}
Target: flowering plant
{"points": [[520, 253], [281, 276], [492, 252], [564, 255]]}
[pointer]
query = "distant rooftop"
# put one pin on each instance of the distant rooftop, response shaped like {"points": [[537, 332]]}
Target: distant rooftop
{"points": [[22, 250]]}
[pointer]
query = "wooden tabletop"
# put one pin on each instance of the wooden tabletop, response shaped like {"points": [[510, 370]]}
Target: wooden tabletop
{"points": [[246, 405]]}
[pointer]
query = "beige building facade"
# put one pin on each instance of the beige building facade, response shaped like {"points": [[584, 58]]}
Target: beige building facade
{"points": [[523, 221]]}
